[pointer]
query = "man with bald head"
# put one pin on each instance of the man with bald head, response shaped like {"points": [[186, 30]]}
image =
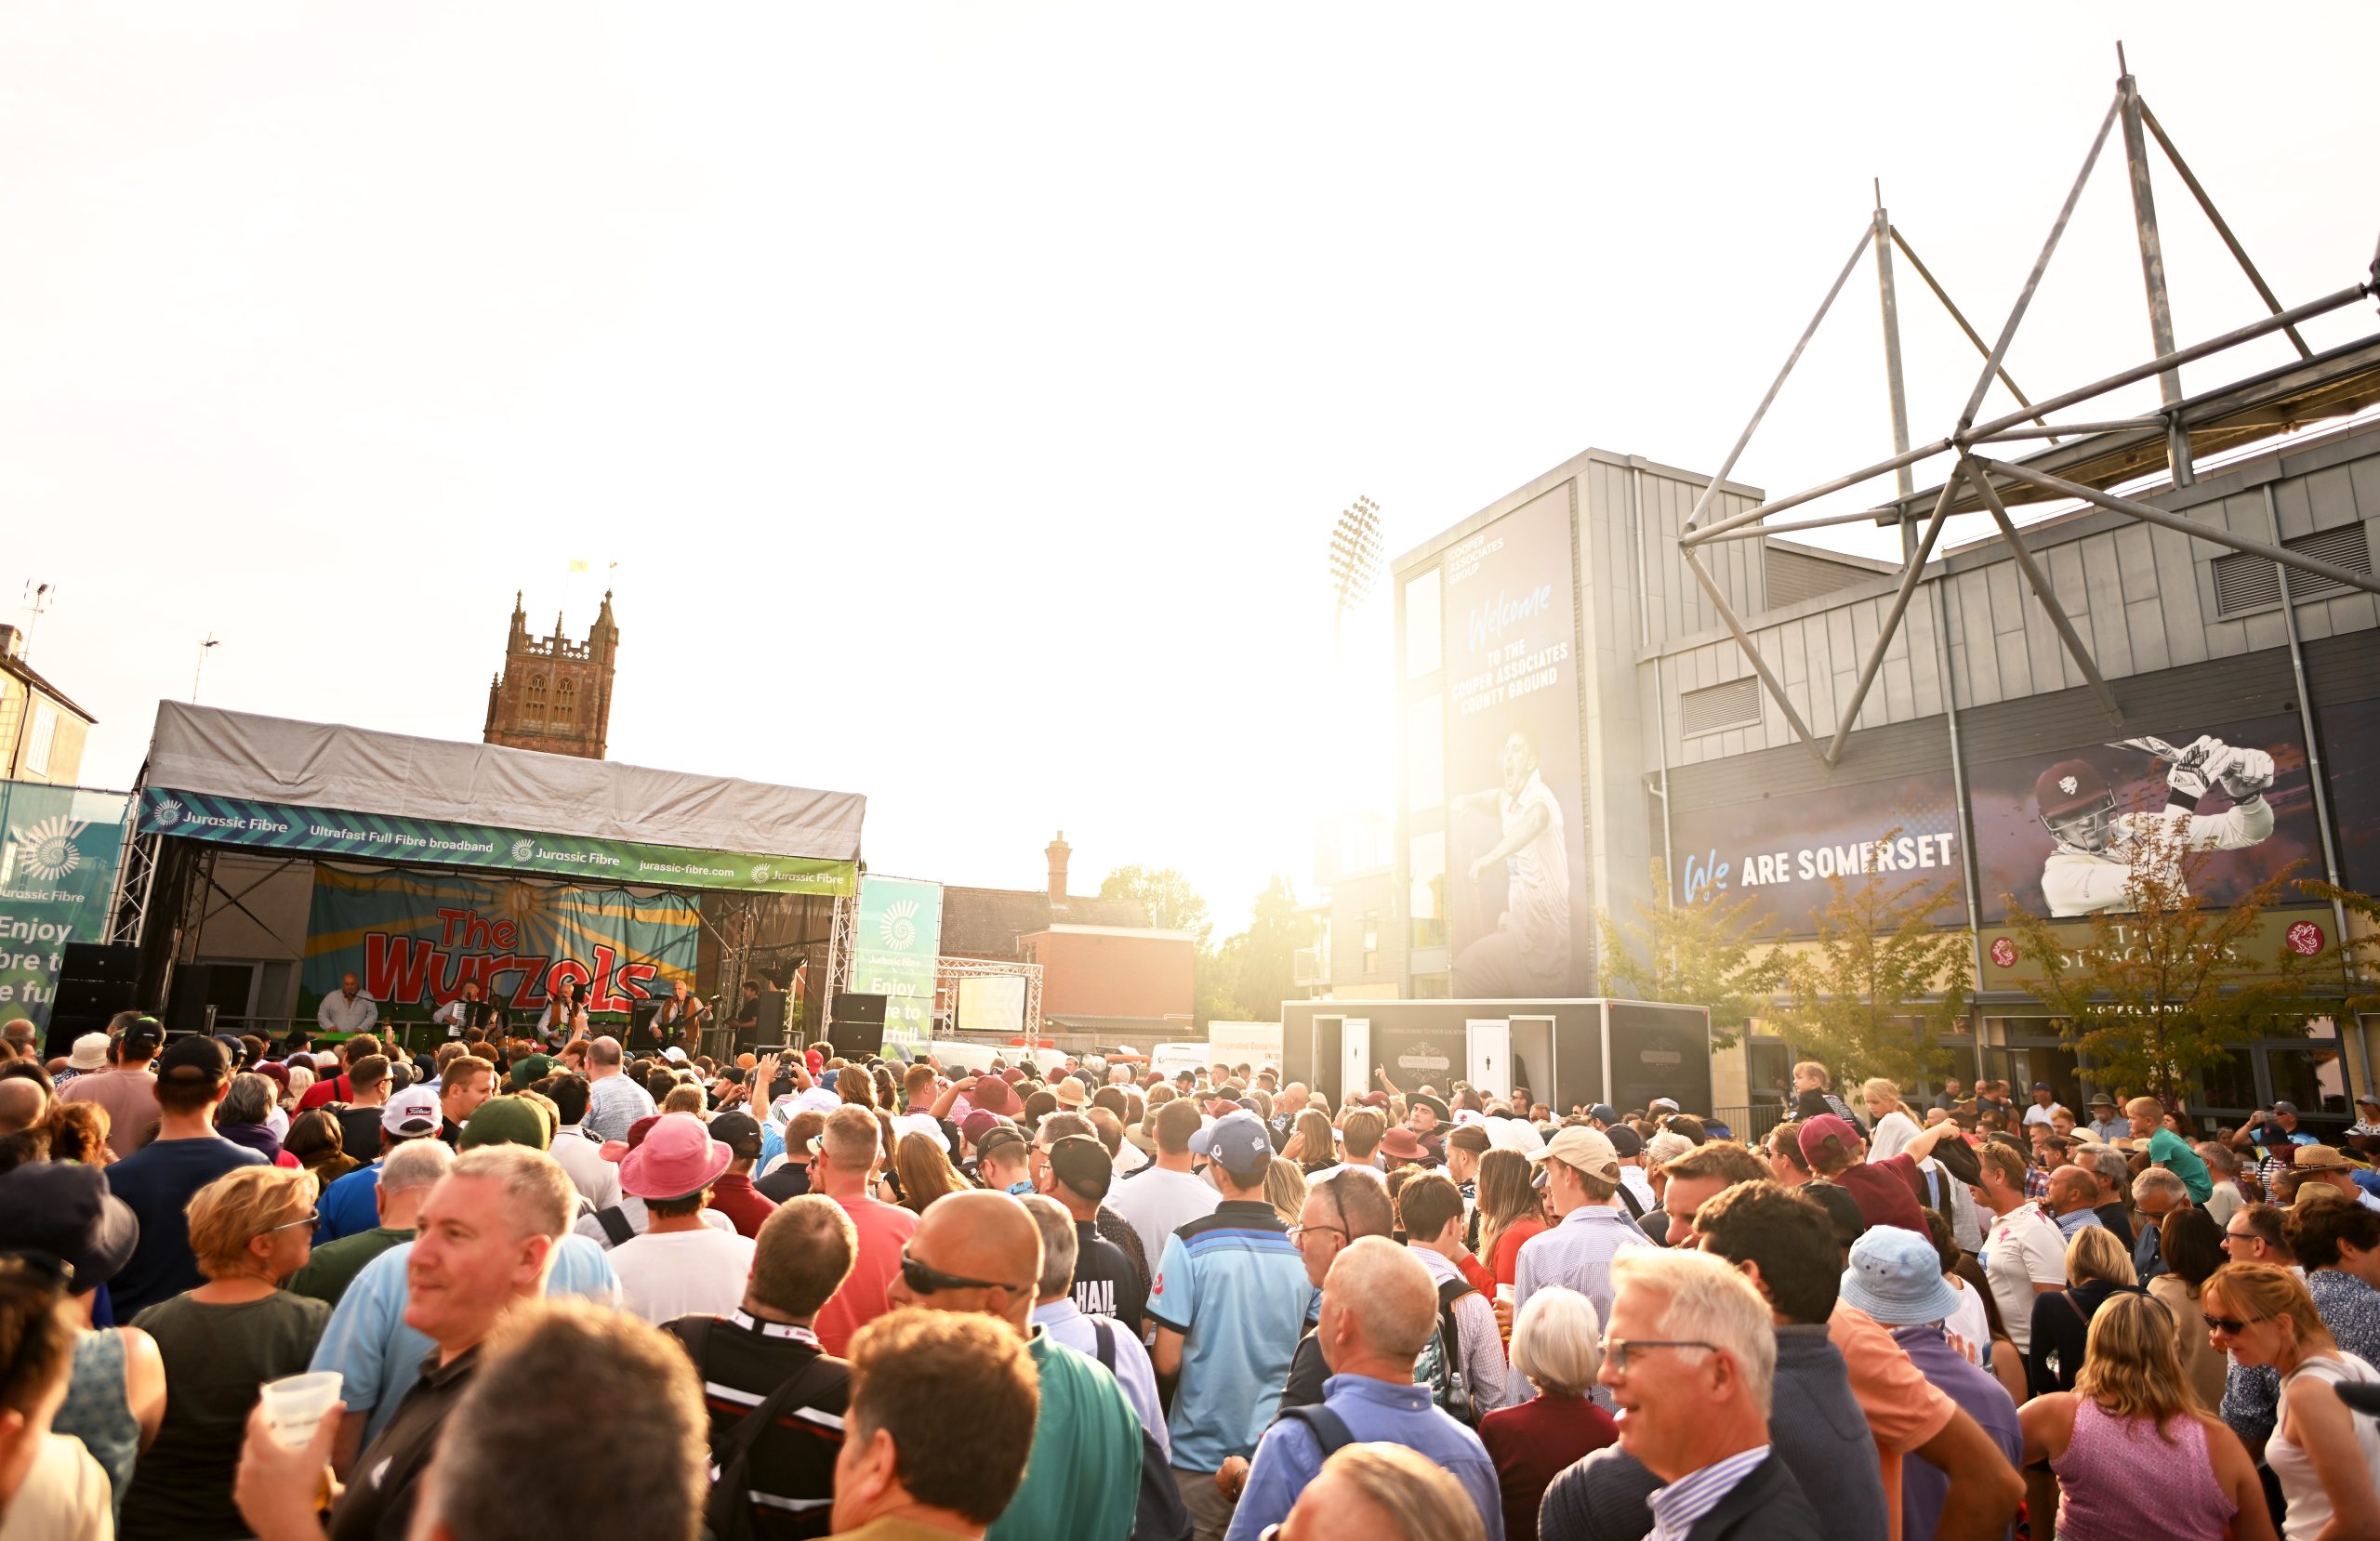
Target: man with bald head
{"points": [[1286, 1104], [2073, 1198], [981, 1253], [1378, 1306], [23, 1103]]}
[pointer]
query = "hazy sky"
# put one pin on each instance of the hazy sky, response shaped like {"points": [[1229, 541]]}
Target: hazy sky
{"points": [[966, 393]]}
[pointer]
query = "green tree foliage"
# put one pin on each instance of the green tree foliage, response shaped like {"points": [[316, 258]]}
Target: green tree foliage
{"points": [[1717, 954], [1172, 904], [1880, 983], [2155, 994]]}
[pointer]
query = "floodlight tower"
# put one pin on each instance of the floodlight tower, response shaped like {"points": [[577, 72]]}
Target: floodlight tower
{"points": [[1354, 561]]}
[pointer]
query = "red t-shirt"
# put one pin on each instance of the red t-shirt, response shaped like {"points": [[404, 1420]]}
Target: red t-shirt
{"points": [[1882, 1192], [1532, 1443], [336, 1089], [1508, 1248], [884, 1230], [733, 1196]]}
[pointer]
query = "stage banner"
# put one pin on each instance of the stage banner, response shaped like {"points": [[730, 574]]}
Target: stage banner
{"points": [[1519, 916], [413, 939], [896, 946], [372, 836], [2122, 781], [1784, 850], [58, 850]]}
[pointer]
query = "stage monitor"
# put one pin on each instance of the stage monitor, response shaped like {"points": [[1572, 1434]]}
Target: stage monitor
{"points": [[991, 1004]]}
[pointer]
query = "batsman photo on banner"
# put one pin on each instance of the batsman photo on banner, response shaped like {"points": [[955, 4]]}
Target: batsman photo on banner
{"points": [[1519, 914], [413, 939], [2056, 830]]}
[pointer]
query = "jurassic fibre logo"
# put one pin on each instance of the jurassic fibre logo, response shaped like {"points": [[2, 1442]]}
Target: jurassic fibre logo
{"points": [[168, 811], [897, 926], [524, 850], [46, 851]]}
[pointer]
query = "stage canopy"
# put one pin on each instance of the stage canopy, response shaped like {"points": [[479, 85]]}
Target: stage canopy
{"points": [[329, 790]]}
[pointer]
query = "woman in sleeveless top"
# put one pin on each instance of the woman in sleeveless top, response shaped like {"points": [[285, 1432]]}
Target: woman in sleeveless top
{"points": [[2133, 1453], [2326, 1458]]}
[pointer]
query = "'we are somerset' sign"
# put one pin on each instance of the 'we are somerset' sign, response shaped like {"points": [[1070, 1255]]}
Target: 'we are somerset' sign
{"points": [[1786, 852]]}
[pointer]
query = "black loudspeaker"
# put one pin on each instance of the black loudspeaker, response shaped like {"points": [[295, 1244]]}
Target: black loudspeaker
{"points": [[99, 961], [88, 999], [856, 1025], [186, 1002]]}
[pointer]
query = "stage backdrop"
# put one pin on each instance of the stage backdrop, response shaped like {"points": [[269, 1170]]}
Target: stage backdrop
{"points": [[59, 849], [413, 937], [1522, 924]]}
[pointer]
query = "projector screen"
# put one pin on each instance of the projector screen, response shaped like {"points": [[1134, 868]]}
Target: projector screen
{"points": [[991, 1005]]}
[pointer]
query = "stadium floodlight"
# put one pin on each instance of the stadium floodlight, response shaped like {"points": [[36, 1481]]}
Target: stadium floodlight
{"points": [[1354, 553]]}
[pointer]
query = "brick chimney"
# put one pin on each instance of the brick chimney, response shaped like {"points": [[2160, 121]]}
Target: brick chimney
{"points": [[1057, 850]]}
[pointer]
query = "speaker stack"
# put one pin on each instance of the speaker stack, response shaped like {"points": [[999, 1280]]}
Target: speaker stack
{"points": [[95, 981], [856, 1025]]}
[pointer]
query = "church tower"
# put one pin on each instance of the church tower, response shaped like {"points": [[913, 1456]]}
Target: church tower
{"points": [[555, 694]]}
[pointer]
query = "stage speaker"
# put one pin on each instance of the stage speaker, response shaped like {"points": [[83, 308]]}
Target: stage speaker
{"points": [[856, 1025], [97, 960], [186, 1001], [88, 999]]}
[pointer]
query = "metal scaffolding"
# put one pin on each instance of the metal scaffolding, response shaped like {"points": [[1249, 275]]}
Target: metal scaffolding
{"points": [[948, 971], [2333, 383]]}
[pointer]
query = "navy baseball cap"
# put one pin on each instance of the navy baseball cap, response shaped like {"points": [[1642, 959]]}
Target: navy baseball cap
{"points": [[1238, 1142], [1604, 1112]]}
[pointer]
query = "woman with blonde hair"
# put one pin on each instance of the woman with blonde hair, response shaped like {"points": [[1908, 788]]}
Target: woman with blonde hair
{"points": [[250, 1230], [2097, 1268], [1312, 1144], [921, 1165], [1509, 1211], [1557, 1347], [1285, 1189], [1896, 1123], [2131, 1428], [2326, 1458]]}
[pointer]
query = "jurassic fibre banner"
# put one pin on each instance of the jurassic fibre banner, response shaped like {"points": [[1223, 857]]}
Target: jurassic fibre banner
{"points": [[385, 837], [414, 938], [59, 849], [896, 949]]}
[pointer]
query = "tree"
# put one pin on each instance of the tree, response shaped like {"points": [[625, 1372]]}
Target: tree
{"points": [[2154, 994], [1880, 982], [1247, 976], [1172, 904], [1717, 954]]}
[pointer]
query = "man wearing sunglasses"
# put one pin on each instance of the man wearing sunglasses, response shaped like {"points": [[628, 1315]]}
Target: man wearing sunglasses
{"points": [[981, 1253]]}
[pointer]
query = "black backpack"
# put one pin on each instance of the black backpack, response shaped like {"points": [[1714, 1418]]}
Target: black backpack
{"points": [[1440, 1364], [1160, 1514]]}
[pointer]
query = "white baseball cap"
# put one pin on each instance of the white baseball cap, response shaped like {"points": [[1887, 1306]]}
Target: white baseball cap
{"points": [[413, 1112]]}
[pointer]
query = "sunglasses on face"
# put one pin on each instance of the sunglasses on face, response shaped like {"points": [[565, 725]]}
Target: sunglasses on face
{"points": [[925, 1278], [2230, 1326]]}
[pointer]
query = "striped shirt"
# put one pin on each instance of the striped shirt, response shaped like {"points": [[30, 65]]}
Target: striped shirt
{"points": [[1677, 1507], [791, 1469]]}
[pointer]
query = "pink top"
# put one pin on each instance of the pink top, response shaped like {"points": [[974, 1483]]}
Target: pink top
{"points": [[2117, 1471]]}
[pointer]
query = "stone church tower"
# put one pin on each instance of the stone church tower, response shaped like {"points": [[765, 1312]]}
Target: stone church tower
{"points": [[555, 694]]}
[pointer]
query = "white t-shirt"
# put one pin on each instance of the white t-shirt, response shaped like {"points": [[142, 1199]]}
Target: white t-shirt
{"points": [[1157, 1202], [2037, 1113], [2022, 1249], [682, 1273], [1892, 1131], [64, 1496], [592, 1226], [597, 1180], [1969, 1321]]}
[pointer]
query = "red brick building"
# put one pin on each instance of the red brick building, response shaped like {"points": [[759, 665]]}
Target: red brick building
{"points": [[555, 694]]}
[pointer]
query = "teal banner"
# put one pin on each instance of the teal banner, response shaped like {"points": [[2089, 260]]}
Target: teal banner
{"points": [[896, 950], [375, 836], [59, 849]]}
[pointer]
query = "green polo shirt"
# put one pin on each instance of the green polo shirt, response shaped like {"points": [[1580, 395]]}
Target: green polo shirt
{"points": [[335, 1264], [1083, 1478], [2174, 1153]]}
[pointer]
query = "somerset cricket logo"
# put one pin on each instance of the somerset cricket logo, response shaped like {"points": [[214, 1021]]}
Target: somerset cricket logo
{"points": [[2304, 939], [2067, 785], [2004, 952]]}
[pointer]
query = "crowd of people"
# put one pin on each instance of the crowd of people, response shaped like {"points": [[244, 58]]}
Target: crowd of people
{"points": [[572, 1289]]}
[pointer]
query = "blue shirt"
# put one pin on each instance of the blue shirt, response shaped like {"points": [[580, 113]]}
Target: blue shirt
{"points": [[1373, 1411], [1924, 1485], [1677, 1507], [349, 1206], [157, 1182], [368, 1343], [2072, 1224], [1232, 1285]]}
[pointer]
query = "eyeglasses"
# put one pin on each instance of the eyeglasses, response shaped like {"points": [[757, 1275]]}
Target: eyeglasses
{"points": [[2230, 1326], [2230, 1236], [1298, 1232], [925, 1278], [1616, 1350], [310, 1220]]}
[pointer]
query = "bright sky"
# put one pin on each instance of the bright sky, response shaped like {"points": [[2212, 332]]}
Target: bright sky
{"points": [[967, 392]]}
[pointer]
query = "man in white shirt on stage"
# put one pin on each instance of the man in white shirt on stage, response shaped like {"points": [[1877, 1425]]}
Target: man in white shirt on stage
{"points": [[348, 1011]]}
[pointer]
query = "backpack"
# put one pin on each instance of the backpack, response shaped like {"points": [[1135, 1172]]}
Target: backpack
{"points": [[728, 1515], [1440, 1364], [1159, 1514]]}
